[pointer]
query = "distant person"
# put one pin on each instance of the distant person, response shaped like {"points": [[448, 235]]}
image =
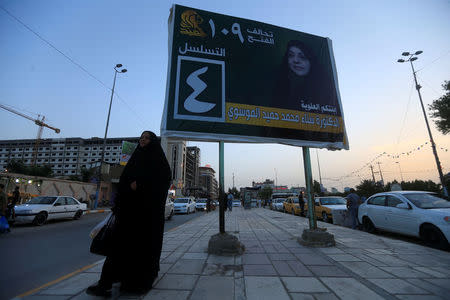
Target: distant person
{"points": [[230, 201], [353, 202], [16, 196], [139, 226], [208, 205], [301, 203], [3, 203]]}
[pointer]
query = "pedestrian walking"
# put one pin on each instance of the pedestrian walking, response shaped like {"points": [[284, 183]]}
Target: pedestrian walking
{"points": [[3, 207], [353, 202], [139, 221], [230, 201], [16, 196], [208, 205], [301, 203]]}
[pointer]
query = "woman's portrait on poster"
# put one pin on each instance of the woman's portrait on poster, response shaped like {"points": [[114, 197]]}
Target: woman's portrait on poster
{"points": [[302, 80]]}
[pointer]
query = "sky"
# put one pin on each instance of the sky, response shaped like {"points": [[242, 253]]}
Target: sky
{"points": [[58, 57]]}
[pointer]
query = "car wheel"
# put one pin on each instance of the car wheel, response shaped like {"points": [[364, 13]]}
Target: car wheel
{"points": [[368, 225], [78, 215], [40, 219], [433, 237], [324, 216]]}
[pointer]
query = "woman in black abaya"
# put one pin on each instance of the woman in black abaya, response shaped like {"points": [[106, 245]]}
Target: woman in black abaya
{"points": [[139, 227]]}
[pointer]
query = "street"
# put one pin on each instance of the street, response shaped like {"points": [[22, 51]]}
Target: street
{"points": [[32, 256]]}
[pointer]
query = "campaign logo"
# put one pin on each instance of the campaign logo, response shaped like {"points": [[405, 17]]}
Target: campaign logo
{"points": [[200, 89], [190, 24]]}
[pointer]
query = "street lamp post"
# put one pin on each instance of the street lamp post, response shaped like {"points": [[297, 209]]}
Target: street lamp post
{"points": [[117, 69], [401, 175], [413, 57]]}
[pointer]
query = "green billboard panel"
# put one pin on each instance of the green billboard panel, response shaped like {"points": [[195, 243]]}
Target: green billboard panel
{"points": [[237, 80]]}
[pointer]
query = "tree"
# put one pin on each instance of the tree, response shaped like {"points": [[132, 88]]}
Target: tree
{"points": [[235, 192], [316, 188], [367, 188], [86, 174], [265, 193], [19, 167], [440, 110]]}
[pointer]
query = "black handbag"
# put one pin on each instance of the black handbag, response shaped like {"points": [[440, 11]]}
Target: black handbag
{"points": [[103, 242]]}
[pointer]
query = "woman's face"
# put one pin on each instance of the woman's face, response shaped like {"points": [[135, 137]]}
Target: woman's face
{"points": [[298, 62], [144, 140]]}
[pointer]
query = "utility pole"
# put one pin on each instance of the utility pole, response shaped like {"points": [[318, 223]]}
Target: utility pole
{"points": [[381, 174], [373, 175], [413, 57], [233, 180]]}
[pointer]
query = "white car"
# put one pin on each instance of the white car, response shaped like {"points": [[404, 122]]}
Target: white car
{"points": [[169, 211], [200, 204], [40, 209], [236, 203], [414, 213], [277, 204], [184, 205]]}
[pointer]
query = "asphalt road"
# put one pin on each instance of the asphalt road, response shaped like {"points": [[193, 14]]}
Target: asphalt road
{"points": [[31, 256]]}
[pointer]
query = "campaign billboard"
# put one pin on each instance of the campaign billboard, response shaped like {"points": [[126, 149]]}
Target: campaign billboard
{"points": [[237, 80], [127, 150]]}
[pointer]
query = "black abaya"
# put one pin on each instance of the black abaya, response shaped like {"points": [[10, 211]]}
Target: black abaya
{"points": [[138, 237]]}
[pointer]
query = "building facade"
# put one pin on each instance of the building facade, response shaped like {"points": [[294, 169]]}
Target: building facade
{"points": [[209, 182], [66, 156]]}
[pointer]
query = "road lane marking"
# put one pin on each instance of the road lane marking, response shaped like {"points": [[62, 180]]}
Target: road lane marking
{"points": [[33, 291]]}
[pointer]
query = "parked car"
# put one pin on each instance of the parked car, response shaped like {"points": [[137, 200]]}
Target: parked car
{"points": [[324, 207], [200, 204], [40, 209], [291, 206], [236, 203], [169, 211], [184, 205], [277, 204], [415, 213]]}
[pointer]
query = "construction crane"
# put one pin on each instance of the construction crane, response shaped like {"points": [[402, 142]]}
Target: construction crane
{"points": [[39, 123]]}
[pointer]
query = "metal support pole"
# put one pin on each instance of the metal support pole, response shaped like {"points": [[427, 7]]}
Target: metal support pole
{"points": [[222, 200], [309, 185], [97, 194], [433, 146]]}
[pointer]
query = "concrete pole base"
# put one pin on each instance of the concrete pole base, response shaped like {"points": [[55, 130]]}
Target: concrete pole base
{"points": [[317, 238], [225, 244]]}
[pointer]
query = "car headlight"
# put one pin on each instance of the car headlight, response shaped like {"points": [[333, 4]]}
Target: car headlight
{"points": [[447, 219]]}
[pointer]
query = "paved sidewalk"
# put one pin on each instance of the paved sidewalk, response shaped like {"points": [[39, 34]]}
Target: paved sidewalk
{"points": [[276, 266]]}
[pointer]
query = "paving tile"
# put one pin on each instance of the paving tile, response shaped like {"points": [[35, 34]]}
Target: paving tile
{"points": [[325, 296], [298, 268], [366, 270], [390, 260], [281, 256], [177, 282], [419, 297], [195, 255], [436, 290], [312, 259], [331, 250], [239, 289], [398, 286], [221, 269], [443, 283], [71, 286], [264, 288], [163, 268], [349, 289], [328, 271], [173, 257], [431, 271], [343, 257], [304, 285], [255, 259], [283, 269], [187, 266], [167, 295], [220, 288], [300, 296], [216, 259], [405, 272], [261, 270]]}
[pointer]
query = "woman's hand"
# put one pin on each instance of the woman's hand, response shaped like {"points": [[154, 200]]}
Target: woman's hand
{"points": [[133, 185]]}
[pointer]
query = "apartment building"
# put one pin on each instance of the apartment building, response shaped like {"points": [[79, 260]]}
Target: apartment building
{"points": [[66, 156]]}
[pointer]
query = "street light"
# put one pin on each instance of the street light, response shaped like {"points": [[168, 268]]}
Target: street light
{"points": [[413, 57], [401, 175], [116, 70]]}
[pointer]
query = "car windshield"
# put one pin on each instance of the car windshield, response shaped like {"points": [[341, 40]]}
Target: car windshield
{"points": [[427, 200], [201, 201], [332, 201], [41, 200], [279, 200], [181, 200]]}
